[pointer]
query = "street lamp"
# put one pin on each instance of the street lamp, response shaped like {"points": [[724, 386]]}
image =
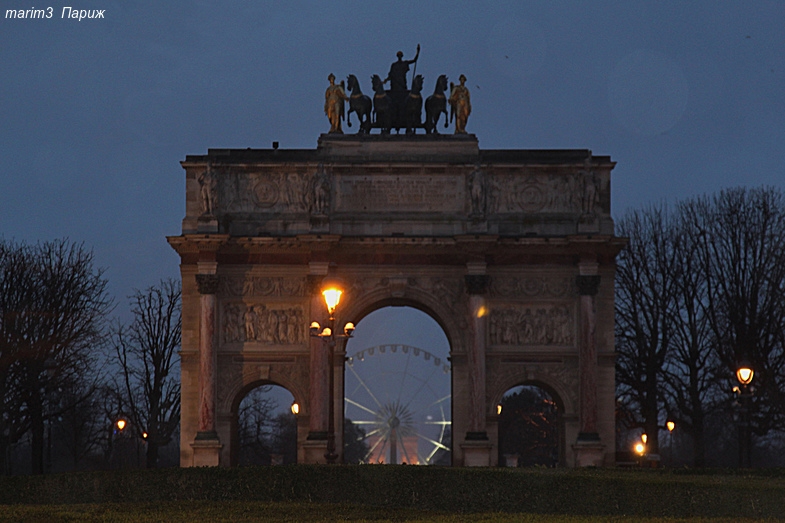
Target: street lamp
{"points": [[744, 374], [332, 289], [670, 425]]}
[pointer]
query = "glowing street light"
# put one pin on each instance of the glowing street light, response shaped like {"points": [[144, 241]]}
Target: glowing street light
{"points": [[332, 289], [121, 423], [295, 408], [744, 373], [670, 425]]}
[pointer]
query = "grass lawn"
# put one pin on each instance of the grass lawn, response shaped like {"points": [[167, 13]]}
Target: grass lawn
{"points": [[243, 511]]}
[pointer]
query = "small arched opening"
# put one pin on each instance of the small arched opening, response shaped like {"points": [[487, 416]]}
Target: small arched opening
{"points": [[531, 428], [264, 426], [398, 390]]}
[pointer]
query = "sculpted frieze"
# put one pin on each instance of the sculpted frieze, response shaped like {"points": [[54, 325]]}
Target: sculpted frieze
{"points": [[259, 323], [532, 325], [287, 192], [262, 286], [532, 286], [553, 193]]}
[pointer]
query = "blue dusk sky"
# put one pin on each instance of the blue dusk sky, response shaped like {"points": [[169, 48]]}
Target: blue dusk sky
{"points": [[687, 97]]}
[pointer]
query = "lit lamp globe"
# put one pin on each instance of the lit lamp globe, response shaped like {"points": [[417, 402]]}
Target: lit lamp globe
{"points": [[745, 373], [332, 288], [670, 425]]}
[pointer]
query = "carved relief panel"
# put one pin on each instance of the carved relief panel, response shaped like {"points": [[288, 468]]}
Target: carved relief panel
{"points": [[267, 324], [553, 193], [521, 325], [268, 191]]}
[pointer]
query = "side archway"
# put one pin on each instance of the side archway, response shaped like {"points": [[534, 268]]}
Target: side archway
{"points": [[531, 428], [263, 425]]}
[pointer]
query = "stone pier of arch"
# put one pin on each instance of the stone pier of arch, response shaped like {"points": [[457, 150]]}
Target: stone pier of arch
{"points": [[510, 251]]}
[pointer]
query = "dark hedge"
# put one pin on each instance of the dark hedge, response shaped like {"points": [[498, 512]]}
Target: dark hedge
{"points": [[676, 493]]}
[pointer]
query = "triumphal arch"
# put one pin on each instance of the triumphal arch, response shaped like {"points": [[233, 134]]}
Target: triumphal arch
{"points": [[510, 251]]}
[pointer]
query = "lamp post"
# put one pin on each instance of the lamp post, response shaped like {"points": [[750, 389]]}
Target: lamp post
{"points": [[332, 289], [670, 425], [744, 374]]}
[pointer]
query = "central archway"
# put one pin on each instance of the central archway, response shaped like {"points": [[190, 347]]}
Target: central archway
{"points": [[398, 390]]}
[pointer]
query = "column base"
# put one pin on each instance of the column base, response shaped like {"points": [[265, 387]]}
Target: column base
{"points": [[207, 450], [589, 450], [476, 453], [315, 449]]}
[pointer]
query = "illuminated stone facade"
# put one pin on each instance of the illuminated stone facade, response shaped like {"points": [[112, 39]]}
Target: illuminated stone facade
{"points": [[510, 251]]}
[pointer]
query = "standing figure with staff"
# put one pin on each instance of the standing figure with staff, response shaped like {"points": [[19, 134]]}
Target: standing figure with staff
{"points": [[398, 70], [398, 88]]}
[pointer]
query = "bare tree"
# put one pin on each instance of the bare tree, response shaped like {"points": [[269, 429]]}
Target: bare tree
{"points": [[147, 353], [646, 284], [52, 312], [699, 290], [690, 385], [742, 246], [77, 433]]}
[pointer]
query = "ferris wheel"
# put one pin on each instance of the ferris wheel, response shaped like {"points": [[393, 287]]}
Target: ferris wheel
{"points": [[399, 396]]}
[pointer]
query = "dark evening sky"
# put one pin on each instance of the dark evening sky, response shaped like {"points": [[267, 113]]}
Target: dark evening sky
{"points": [[687, 97]]}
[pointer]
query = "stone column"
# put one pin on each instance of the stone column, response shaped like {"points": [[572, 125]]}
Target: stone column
{"points": [[589, 450], [476, 447], [207, 446], [316, 444]]}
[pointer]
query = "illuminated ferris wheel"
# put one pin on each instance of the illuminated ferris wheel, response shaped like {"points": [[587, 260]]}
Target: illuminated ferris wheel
{"points": [[399, 396]]}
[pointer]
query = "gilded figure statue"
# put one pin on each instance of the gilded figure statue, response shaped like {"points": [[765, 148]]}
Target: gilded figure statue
{"points": [[334, 99], [460, 103]]}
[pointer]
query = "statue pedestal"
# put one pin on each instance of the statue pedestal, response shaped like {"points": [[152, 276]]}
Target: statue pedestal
{"points": [[399, 147], [589, 452], [320, 223], [207, 451], [589, 223], [476, 453], [207, 223], [314, 450]]}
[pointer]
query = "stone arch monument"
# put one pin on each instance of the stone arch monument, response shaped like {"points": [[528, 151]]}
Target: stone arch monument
{"points": [[510, 251]]}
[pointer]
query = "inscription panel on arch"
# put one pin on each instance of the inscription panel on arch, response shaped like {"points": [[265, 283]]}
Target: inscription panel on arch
{"points": [[400, 193]]}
